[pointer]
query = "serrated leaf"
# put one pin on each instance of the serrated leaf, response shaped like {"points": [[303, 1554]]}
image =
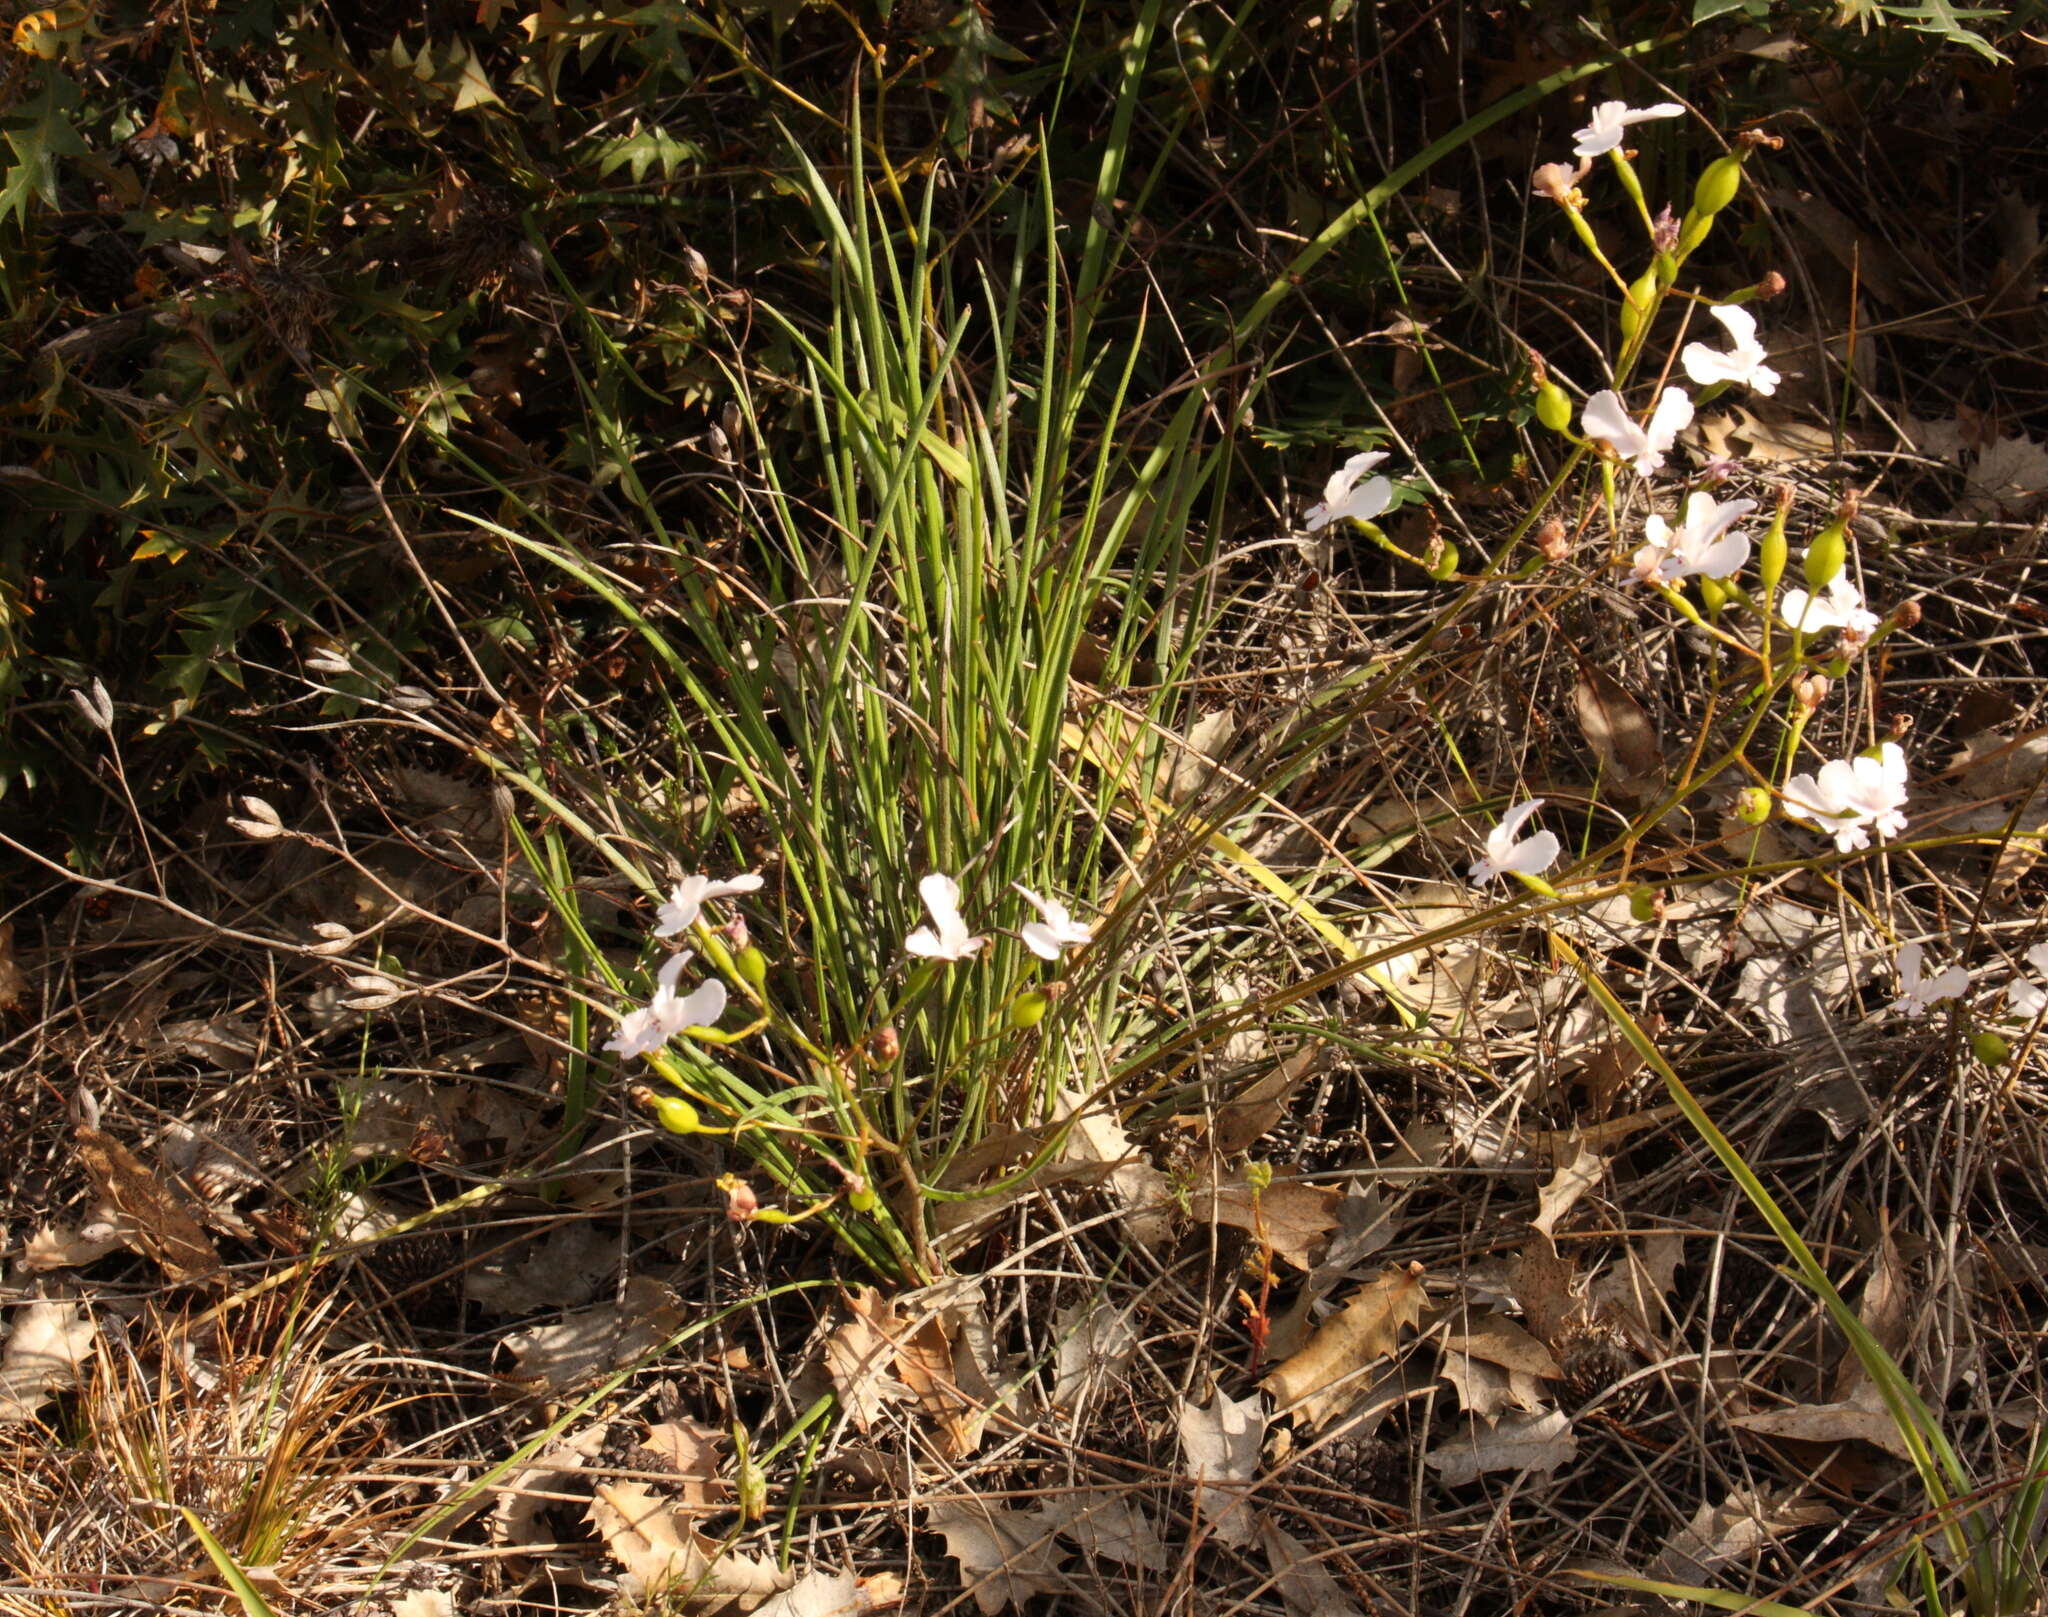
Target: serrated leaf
{"points": [[40, 136]]}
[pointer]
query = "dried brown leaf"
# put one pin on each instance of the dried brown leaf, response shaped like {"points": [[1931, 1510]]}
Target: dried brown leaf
{"points": [[664, 1556], [1106, 1526], [154, 1218], [1536, 1442], [691, 1450], [1221, 1444], [1291, 1217], [591, 1342], [1006, 1556], [1620, 731], [47, 1345], [1329, 1372], [1306, 1586], [1579, 1169]]}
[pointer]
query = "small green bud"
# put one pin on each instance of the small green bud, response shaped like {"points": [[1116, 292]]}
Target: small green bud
{"points": [[1752, 805], [675, 1114], [863, 1200], [1991, 1049], [1718, 184], [752, 965], [1712, 596], [1771, 554], [750, 1482], [1444, 563], [1827, 556], [1258, 1177], [1692, 230], [1028, 1008], [1554, 407], [1635, 309], [1642, 904]]}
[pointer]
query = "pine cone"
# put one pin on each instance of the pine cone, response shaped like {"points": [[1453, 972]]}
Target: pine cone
{"points": [[1594, 1354], [1370, 1466]]}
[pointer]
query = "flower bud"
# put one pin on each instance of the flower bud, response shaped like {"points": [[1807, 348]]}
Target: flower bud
{"points": [[741, 1204], [752, 966], [1553, 406], [1028, 1008], [1811, 690], [1752, 805], [1635, 309], [884, 1046], [1258, 1177], [675, 1114], [1991, 1049], [1772, 551], [1645, 904], [1717, 186], [1906, 615], [1554, 540], [1771, 286], [1827, 556], [1443, 559]]}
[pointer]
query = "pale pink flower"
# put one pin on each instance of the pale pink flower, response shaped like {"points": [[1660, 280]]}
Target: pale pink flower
{"points": [[1742, 365], [1345, 499], [1531, 856], [1607, 419], [1850, 796], [1702, 543], [1611, 120], [947, 938], [687, 898]]}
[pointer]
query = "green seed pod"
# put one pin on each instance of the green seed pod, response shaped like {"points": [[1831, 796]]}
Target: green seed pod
{"points": [[1991, 1049], [1692, 230], [1712, 596], [1752, 805], [1827, 556], [752, 965], [1717, 186], [675, 1114], [1028, 1008], [1642, 904], [1635, 309], [1771, 553], [1554, 407], [863, 1200], [1446, 563]]}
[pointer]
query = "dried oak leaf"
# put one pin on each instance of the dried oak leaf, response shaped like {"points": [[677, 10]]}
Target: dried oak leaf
{"points": [[1006, 1556], [1495, 1365], [1306, 1586], [1107, 1527], [591, 1342], [1329, 1372], [1221, 1444], [1533, 1442], [1579, 1169], [155, 1219], [690, 1449], [860, 1356], [1289, 1216], [664, 1556], [47, 1345], [835, 1594]]}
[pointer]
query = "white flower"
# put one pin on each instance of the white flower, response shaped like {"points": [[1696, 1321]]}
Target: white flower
{"points": [[686, 900], [1702, 542], [1610, 118], [1850, 795], [645, 1030], [1607, 418], [951, 940], [1840, 607], [1346, 499], [1743, 364], [1531, 857], [1918, 992], [1058, 931], [2024, 997]]}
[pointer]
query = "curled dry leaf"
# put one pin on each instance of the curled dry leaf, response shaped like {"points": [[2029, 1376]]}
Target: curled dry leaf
{"points": [[60, 1246], [1579, 1169], [591, 1342], [1533, 1442], [1006, 1556], [691, 1450], [860, 1356], [1860, 1418], [1328, 1373], [48, 1343], [1221, 1443], [1261, 1105], [1289, 1216], [518, 1502]]}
